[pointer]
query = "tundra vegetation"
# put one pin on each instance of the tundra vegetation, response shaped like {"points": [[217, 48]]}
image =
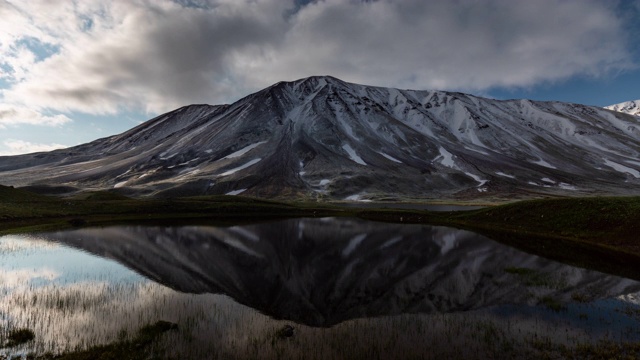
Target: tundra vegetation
{"points": [[176, 326]]}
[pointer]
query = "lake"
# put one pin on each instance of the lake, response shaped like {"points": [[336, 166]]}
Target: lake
{"points": [[349, 288], [408, 206]]}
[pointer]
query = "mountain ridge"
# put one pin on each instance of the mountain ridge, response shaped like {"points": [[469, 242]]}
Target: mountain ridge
{"points": [[323, 138]]}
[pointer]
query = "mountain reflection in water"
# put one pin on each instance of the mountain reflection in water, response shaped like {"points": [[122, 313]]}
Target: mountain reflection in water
{"points": [[321, 272]]}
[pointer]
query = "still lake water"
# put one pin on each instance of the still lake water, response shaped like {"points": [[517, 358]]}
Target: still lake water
{"points": [[350, 288]]}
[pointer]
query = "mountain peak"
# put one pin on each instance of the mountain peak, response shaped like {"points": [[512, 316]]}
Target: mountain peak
{"points": [[319, 79], [309, 83], [627, 107]]}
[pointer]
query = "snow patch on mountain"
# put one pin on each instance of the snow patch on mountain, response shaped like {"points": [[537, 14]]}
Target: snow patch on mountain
{"points": [[500, 173], [356, 197], [623, 169], [163, 156], [236, 192], [627, 107], [477, 178], [235, 170], [541, 162], [390, 157], [566, 186], [188, 162], [446, 158], [243, 150], [353, 155]]}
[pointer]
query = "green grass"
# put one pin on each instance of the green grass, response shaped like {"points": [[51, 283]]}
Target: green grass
{"points": [[100, 196], [11, 194], [21, 211], [615, 218]]}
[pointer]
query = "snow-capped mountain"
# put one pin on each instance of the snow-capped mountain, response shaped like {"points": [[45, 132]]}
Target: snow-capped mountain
{"points": [[322, 137], [627, 107], [322, 272]]}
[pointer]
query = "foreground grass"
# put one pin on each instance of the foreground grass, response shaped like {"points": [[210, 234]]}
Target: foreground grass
{"points": [[140, 347], [404, 336], [598, 233]]}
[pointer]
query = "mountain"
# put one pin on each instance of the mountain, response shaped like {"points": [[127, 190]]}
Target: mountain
{"points": [[321, 137], [627, 107], [321, 272]]}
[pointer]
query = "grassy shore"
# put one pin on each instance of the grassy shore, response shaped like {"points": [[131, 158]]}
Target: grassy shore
{"points": [[600, 233], [22, 211]]}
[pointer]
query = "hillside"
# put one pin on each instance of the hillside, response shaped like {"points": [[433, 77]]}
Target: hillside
{"points": [[322, 138]]}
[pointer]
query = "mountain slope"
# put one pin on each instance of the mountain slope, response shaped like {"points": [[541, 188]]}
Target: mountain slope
{"points": [[627, 107], [322, 137]]}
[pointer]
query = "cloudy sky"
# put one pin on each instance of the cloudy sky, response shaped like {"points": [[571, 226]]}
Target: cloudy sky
{"points": [[72, 71]]}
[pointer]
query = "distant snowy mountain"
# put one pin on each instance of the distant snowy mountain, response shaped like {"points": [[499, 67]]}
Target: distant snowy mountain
{"points": [[628, 107], [321, 137]]}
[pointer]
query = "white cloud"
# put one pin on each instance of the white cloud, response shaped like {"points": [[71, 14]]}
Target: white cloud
{"points": [[12, 115], [158, 55], [17, 147]]}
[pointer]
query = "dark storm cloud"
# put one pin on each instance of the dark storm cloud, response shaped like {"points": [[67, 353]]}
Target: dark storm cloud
{"points": [[186, 51], [158, 55]]}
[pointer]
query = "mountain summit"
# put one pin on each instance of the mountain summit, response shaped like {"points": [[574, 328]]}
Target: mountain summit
{"points": [[628, 107], [321, 137]]}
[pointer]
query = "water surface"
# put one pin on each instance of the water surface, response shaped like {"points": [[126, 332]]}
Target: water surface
{"points": [[349, 287]]}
